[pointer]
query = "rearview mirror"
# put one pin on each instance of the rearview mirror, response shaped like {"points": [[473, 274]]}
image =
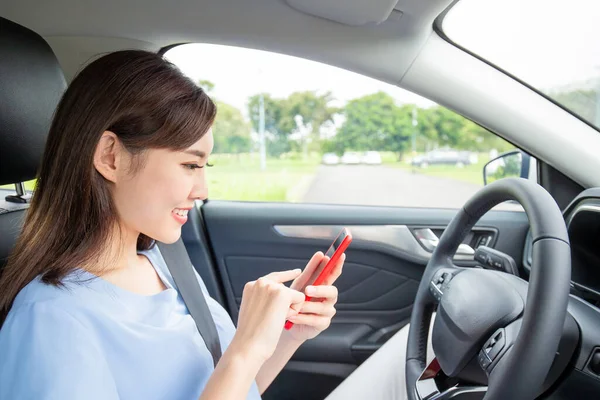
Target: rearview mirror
{"points": [[512, 164]]}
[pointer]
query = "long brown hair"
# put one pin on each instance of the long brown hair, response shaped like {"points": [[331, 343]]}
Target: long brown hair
{"points": [[148, 103]]}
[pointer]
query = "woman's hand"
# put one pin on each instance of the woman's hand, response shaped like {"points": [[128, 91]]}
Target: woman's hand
{"points": [[315, 315], [266, 304]]}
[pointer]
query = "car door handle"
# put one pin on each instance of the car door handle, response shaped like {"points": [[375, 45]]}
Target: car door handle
{"points": [[429, 240]]}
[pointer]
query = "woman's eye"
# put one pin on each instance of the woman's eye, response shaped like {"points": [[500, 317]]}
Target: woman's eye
{"points": [[192, 166], [196, 166]]}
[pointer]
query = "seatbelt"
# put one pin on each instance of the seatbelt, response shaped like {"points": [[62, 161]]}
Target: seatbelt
{"points": [[181, 268]]}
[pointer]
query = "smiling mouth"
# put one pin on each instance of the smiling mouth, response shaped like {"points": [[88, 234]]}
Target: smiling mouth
{"points": [[181, 212]]}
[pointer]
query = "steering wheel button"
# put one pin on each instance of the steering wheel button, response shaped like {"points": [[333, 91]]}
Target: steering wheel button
{"points": [[494, 346], [484, 360], [495, 351], [435, 290]]}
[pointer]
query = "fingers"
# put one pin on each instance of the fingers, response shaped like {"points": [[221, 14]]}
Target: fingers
{"points": [[314, 261], [275, 287], [291, 313], [325, 309], [296, 297], [322, 292], [283, 276], [316, 321], [271, 287], [328, 296], [308, 272]]}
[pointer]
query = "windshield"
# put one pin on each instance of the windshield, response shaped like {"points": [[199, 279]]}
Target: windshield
{"points": [[552, 45]]}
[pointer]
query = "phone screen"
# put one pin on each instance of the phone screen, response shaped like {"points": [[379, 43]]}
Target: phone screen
{"points": [[330, 252]]}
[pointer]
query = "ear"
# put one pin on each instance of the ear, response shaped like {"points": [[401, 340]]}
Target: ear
{"points": [[107, 157]]}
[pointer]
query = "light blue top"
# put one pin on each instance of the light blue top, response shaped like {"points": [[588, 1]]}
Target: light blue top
{"points": [[93, 340]]}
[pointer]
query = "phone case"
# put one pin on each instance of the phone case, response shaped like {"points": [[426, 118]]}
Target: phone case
{"points": [[327, 270]]}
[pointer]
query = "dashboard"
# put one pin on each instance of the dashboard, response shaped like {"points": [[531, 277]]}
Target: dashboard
{"points": [[582, 217]]}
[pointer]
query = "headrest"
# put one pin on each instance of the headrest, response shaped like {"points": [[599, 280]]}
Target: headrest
{"points": [[31, 84]]}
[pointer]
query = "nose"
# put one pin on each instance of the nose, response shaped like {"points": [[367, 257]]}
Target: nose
{"points": [[200, 188]]}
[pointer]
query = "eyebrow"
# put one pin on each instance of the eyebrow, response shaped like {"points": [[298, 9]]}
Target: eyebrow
{"points": [[198, 153]]}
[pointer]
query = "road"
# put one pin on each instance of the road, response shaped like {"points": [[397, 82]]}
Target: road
{"points": [[385, 186]]}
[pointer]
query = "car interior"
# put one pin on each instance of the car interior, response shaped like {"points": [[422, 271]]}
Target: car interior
{"points": [[514, 293]]}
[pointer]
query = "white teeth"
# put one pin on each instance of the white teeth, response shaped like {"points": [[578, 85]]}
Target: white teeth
{"points": [[181, 213]]}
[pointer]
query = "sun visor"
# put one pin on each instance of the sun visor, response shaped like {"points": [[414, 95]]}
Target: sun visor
{"points": [[348, 12]]}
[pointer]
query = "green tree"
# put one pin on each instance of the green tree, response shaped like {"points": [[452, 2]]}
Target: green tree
{"points": [[277, 138], [273, 109], [375, 122], [280, 118], [444, 127], [315, 111], [231, 131], [332, 146]]}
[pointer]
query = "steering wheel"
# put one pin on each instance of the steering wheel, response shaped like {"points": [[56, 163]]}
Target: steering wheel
{"points": [[510, 328]]}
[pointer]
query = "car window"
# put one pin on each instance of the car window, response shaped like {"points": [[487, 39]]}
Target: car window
{"points": [[549, 44], [294, 130]]}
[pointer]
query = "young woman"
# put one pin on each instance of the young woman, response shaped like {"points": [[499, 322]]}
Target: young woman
{"points": [[88, 309]]}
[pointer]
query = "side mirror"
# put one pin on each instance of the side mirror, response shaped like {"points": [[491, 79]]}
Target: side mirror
{"points": [[515, 163]]}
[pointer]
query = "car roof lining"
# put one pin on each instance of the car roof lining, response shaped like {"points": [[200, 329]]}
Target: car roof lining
{"points": [[76, 29]]}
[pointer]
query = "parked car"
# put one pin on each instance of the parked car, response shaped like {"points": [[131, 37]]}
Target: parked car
{"points": [[443, 156], [371, 158], [330, 159], [351, 158]]}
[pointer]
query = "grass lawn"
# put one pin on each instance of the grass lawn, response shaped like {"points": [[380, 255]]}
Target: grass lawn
{"points": [[469, 173], [238, 177]]}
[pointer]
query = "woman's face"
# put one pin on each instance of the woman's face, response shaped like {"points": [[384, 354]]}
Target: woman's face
{"points": [[154, 200]]}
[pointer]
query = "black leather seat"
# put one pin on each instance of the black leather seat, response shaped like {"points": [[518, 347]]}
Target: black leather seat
{"points": [[31, 83]]}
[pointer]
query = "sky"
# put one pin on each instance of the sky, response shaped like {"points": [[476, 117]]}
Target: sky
{"points": [[547, 43], [239, 73]]}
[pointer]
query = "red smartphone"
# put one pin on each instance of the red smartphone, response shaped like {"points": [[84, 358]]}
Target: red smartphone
{"points": [[335, 251]]}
